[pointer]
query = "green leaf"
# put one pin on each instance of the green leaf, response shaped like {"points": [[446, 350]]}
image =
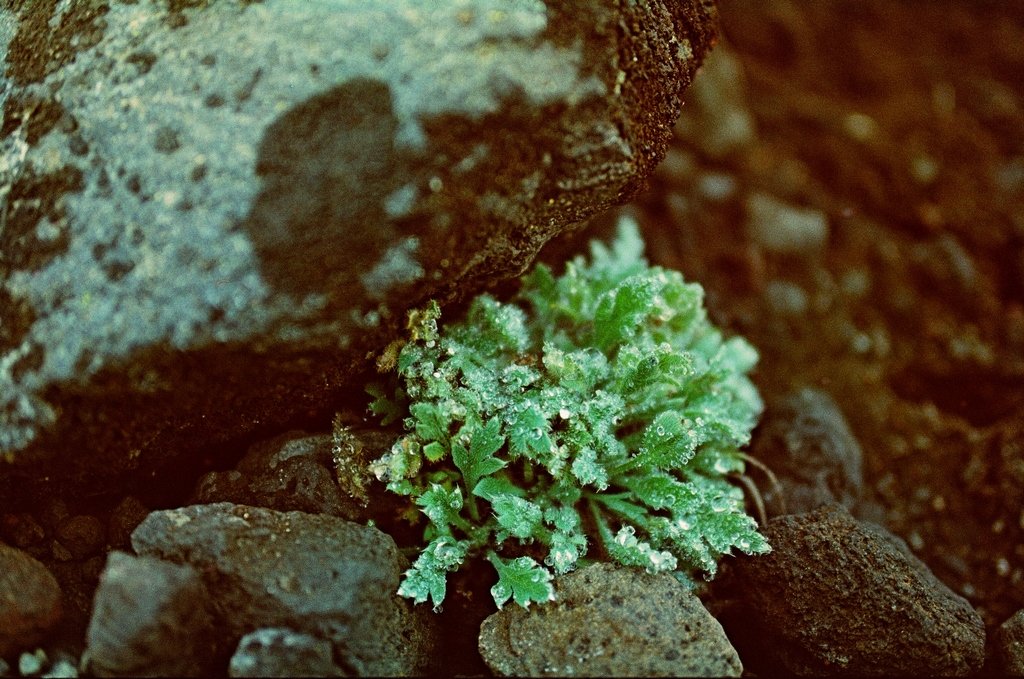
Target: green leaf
{"points": [[522, 579], [390, 409], [621, 310], [434, 451], [628, 550], [528, 433], [428, 576], [479, 460], [519, 517], [442, 506], [490, 487], [429, 422]]}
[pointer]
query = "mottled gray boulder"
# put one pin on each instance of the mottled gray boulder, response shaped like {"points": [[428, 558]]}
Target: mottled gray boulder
{"points": [[216, 212], [805, 440], [838, 597], [282, 652], [610, 621], [150, 619], [320, 575]]}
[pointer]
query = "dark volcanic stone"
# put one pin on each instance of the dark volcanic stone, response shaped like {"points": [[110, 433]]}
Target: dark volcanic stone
{"points": [[320, 575], [805, 440], [82, 535], [150, 618], [1010, 645], [610, 621], [30, 600], [839, 597], [281, 652], [291, 472]]}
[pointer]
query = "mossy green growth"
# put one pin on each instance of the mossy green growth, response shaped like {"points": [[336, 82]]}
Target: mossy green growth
{"points": [[600, 406]]}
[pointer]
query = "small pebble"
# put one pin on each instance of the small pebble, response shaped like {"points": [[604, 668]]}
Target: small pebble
{"points": [[779, 227]]}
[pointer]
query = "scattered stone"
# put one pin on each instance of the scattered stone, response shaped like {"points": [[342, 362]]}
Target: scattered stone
{"points": [[124, 518], [805, 440], [719, 121], [316, 574], [785, 229], [83, 536], [39, 664], [30, 600], [32, 663], [1009, 643], [786, 298], [610, 621], [282, 652], [292, 472], [21, 530], [839, 597], [150, 618]]}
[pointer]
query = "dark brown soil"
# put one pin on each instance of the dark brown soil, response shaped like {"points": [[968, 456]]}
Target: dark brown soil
{"points": [[904, 124]]}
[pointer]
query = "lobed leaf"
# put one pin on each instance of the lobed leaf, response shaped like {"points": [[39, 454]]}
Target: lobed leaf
{"points": [[523, 580]]}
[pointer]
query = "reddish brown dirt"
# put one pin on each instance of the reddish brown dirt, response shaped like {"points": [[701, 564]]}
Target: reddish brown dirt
{"points": [[904, 124]]}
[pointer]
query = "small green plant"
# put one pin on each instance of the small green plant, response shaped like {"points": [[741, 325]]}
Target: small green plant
{"points": [[599, 404]]}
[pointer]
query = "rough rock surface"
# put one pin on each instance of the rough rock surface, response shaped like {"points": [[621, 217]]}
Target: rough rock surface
{"points": [[30, 600], [150, 618], [805, 440], [1010, 645], [610, 621], [319, 575], [839, 597], [281, 652], [216, 212]]}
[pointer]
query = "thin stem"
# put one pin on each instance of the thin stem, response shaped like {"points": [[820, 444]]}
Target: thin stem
{"points": [[776, 486], [755, 495]]}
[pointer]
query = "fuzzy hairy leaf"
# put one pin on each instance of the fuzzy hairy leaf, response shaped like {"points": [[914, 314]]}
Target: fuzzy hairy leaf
{"points": [[428, 576], [479, 460], [523, 580]]}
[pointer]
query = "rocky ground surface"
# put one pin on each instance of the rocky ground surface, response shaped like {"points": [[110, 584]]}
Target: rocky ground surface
{"points": [[855, 212]]}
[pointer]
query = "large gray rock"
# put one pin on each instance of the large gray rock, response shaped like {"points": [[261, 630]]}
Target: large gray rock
{"points": [[610, 621], [839, 597], [319, 575], [216, 212]]}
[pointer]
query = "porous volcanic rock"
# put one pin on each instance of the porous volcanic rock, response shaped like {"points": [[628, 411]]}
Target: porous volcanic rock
{"points": [[610, 621], [30, 600], [840, 597], [315, 574]]}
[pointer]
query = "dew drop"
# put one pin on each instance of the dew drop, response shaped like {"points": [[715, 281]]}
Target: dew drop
{"points": [[660, 431], [564, 413], [720, 504]]}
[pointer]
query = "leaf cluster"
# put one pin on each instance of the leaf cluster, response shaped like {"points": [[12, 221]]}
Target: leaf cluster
{"points": [[597, 406]]}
